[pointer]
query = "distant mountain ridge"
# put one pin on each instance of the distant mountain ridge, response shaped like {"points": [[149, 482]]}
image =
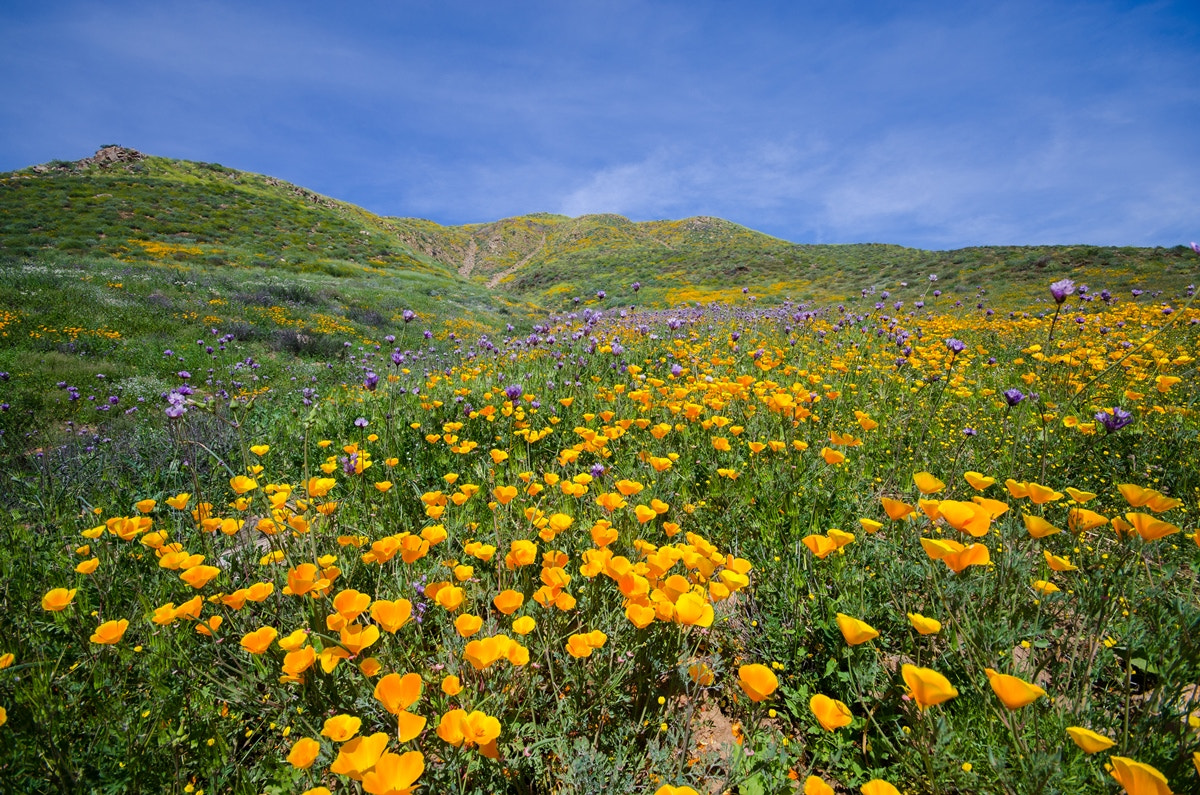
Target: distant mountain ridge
{"points": [[120, 201]]}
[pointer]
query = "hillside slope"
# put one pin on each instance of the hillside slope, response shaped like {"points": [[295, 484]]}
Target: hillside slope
{"points": [[114, 267], [555, 260], [134, 208], [121, 206], [116, 202]]}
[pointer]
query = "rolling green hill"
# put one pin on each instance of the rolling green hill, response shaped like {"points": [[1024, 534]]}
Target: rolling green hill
{"points": [[121, 206], [113, 207], [108, 261], [552, 259]]}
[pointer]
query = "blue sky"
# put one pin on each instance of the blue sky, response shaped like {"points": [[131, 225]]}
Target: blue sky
{"points": [[929, 124]]}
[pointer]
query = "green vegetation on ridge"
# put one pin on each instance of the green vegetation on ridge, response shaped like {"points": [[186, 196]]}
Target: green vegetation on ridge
{"points": [[108, 261], [553, 259], [151, 208]]}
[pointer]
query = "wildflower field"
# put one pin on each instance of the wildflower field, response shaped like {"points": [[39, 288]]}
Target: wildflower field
{"points": [[930, 547]]}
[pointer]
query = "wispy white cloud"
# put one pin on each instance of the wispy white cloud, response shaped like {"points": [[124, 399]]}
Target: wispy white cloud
{"points": [[1077, 182]]}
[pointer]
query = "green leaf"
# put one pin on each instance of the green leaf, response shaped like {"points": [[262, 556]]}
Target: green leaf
{"points": [[753, 785]]}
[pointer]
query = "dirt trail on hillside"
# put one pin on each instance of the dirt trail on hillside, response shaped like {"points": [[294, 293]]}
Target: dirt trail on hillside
{"points": [[494, 282], [468, 264]]}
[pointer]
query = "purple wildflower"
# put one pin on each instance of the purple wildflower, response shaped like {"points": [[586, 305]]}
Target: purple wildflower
{"points": [[1115, 420], [1061, 289], [176, 407], [1013, 396]]}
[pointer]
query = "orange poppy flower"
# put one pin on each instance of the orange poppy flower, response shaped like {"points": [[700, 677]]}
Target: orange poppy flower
{"points": [[967, 517], [242, 484], [1057, 563], [821, 546], [304, 753], [1012, 691], [1039, 527], [832, 457], [757, 681], [462, 729], [928, 483], [394, 774], [341, 728], [391, 615], [895, 509], [974, 555], [1039, 494], [355, 637], [854, 630], [926, 686], [923, 625], [831, 714], [1150, 528], [110, 632], [1080, 520], [978, 480], [509, 601], [1138, 778], [397, 693], [258, 641], [1089, 741], [467, 625], [359, 755]]}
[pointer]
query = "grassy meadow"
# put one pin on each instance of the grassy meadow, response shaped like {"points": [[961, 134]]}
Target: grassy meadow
{"points": [[383, 530]]}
